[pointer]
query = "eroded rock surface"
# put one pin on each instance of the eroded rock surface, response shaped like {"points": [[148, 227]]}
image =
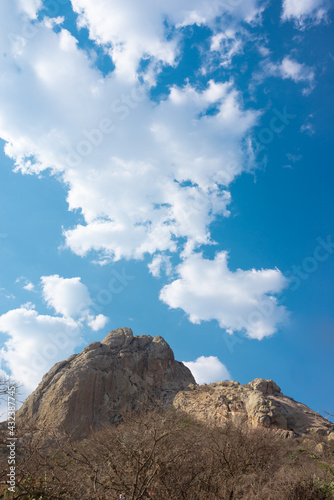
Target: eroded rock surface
{"points": [[122, 373], [125, 373], [260, 403]]}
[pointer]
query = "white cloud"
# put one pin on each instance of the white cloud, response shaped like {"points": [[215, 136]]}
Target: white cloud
{"points": [[160, 262], [227, 44], [304, 12], [68, 296], [207, 370], [132, 31], [30, 7], [7, 295], [29, 286], [293, 70], [97, 322], [141, 199], [35, 343], [239, 300], [296, 71], [137, 201], [146, 177], [308, 125]]}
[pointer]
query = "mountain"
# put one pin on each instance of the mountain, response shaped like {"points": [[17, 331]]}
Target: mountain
{"points": [[126, 373], [120, 374], [261, 403]]}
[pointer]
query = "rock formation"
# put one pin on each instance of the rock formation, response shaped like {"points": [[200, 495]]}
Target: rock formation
{"points": [[127, 373], [122, 373], [260, 403]]}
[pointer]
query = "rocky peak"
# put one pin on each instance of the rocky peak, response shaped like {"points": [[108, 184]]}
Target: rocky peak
{"points": [[264, 386], [122, 373], [118, 339]]}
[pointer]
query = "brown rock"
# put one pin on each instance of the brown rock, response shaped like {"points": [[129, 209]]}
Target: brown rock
{"points": [[260, 403], [122, 373], [264, 386]]}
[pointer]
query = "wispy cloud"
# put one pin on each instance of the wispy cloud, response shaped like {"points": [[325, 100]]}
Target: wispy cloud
{"points": [[308, 126], [295, 71]]}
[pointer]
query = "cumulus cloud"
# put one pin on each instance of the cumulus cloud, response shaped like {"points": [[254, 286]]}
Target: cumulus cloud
{"points": [[146, 177], [169, 185], [132, 31], [207, 370], [67, 296], [30, 7], [70, 298], [97, 322], [305, 12], [36, 342], [239, 300]]}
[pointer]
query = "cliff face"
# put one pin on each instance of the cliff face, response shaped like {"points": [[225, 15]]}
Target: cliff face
{"points": [[127, 373], [123, 372]]}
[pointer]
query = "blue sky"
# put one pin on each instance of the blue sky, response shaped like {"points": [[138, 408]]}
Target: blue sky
{"points": [[168, 168]]}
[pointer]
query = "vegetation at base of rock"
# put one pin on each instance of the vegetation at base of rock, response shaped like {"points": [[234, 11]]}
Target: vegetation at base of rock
{"points": [[124, 416], [167, 455]]}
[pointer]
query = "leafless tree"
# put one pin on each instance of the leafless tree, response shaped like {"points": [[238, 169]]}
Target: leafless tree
{"points": [[167, 455]]}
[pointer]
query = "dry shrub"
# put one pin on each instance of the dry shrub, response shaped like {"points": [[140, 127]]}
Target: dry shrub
{"points": [[167, 456]]}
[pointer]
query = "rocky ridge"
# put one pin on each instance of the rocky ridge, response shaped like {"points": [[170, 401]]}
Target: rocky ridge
{"points": [[260, 403], [127, 373]]}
